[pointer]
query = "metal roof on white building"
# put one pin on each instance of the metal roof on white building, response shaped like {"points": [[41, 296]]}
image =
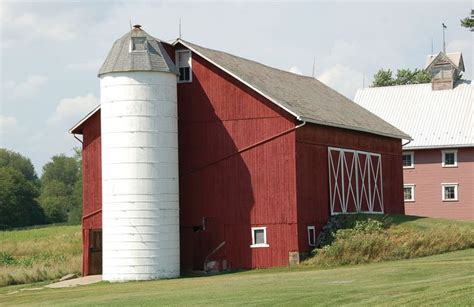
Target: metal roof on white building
{"points": [[434, 119]]}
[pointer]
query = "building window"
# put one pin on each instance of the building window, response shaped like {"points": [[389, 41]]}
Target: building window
{"points": [[441, 72], [138, 44], [450, 158], [449, 191], [259, 237], [408, 159], [409, 192], [311, 236], [183, 60]]}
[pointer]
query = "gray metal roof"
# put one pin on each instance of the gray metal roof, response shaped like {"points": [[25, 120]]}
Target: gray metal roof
{"points": [[305, 97], [153, 58], [434, 119]]}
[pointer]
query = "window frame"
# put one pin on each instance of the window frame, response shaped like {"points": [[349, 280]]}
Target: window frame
{"points": [[132, 45], [412, 155], [412, 186], [443, 157], [313, 228], [257, 245], [456, 191], [190, 64]]}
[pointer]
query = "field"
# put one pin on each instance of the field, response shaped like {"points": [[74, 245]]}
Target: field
{"points": [[446, 279], [38, 254]]}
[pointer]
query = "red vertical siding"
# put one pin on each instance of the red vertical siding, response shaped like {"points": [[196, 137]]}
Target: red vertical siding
{"points": [[218, 117], [92, 184], [312, 143], [428, 175]]}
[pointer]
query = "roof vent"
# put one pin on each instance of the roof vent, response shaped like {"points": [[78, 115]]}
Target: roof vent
{"points": [[137, 26]]}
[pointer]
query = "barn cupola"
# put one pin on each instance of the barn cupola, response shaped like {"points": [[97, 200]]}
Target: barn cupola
{"points": [[139, 150], [445, 69]]}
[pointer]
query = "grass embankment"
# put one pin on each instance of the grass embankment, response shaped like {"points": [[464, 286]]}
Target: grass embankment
{"points": [[46, 253], [39, 254], [445, 279], [354, 239]]}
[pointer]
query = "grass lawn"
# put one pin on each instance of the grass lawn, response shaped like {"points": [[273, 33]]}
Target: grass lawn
{"points": [[446, 279]]}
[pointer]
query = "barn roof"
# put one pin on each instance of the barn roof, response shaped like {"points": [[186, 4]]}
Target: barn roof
{"points": [[454, 57], [434, 119], [304, 97], [149, 55]]}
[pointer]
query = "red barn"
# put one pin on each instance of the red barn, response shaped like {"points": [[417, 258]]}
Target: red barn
{"points": [[265, 158]]}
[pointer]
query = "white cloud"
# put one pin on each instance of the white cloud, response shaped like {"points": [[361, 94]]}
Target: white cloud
{"points": [[25, 27], [91, 65], [70, 109], [25, 89], [295, 70], [343, 79], [8, 125]]}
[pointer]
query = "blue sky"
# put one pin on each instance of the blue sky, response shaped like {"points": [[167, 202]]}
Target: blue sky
{"points": [[51, 50]]}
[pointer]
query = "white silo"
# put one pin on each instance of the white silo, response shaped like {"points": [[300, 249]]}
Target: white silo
{"points": [[139, 135]]}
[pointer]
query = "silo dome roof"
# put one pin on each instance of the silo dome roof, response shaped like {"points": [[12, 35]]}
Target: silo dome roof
{"points": [[137, 51]]}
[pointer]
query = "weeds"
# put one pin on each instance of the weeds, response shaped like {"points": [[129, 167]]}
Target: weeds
{"points": [[39, 254], [369, 240]]}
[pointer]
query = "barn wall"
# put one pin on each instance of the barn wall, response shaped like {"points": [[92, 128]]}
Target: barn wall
{"points": [[428, 175], [92, 184], [225, 191], [312, 143]]}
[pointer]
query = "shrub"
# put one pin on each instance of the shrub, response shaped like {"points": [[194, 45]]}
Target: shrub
{"points": [[363, 239]]}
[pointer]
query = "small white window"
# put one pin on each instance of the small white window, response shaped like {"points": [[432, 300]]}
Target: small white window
{"points": [[138, 44], [409, 192], [183, 61], [450, 158], [311, 236], [449, 191], [408, 159], [259, 237]]}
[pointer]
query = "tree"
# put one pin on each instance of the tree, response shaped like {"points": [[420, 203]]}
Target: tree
{"points": [[75, 215], [19, 188], [468, 22], [61, 168], [19, 162], [421, 76], [58, 188], [383, 78], [404, 77]]}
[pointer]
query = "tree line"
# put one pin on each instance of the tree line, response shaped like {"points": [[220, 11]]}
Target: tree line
{"points": [[26, 199]]}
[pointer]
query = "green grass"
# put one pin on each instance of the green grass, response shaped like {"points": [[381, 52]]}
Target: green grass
{"points": [[48, 253], [391, 237], [446, 279], [38, 254]]}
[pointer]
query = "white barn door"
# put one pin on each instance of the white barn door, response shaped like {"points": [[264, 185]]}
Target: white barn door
{"points": [[355, 181]]}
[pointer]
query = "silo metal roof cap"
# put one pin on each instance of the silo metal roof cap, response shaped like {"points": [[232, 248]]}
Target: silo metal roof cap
{"points": [[149, 56]]}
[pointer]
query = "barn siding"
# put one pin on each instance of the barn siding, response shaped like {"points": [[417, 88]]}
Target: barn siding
{"points": [[312, 143], [428, 175], [92, 183], [234, 191]]}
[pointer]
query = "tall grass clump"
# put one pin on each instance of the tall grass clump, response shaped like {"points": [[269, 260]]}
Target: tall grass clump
{"points": [[39, 254], [359, 239]]}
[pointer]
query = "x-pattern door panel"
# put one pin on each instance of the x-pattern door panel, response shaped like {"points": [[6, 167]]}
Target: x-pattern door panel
{"points": [[355, 181]]}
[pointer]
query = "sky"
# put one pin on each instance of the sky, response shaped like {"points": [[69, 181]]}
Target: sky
{"points": [[51, 51]]}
